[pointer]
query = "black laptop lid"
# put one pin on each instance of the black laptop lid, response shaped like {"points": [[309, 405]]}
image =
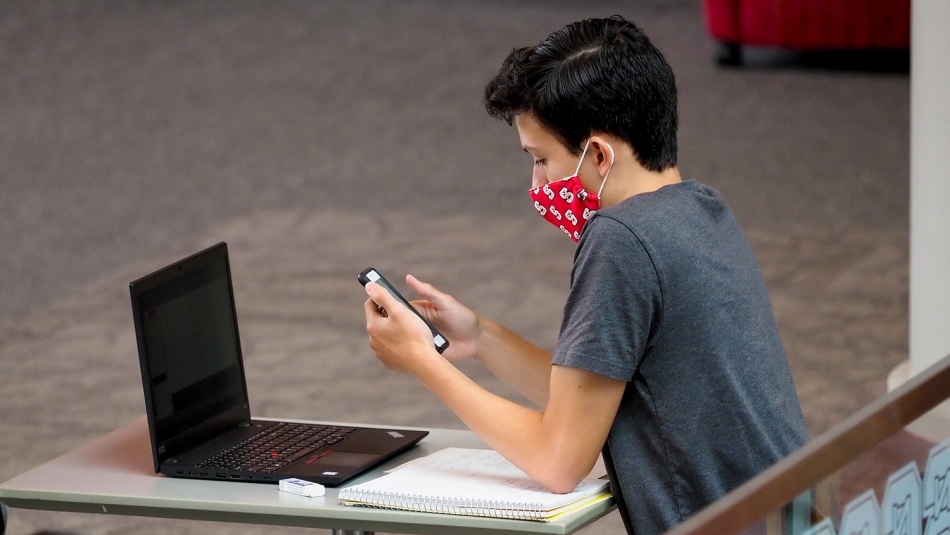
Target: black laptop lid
{"points": [[190, 352]]}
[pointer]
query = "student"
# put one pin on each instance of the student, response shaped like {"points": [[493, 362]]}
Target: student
{"points": [[668, 359]]}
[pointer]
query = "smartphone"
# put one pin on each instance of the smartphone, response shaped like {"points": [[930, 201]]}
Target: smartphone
{"points": [[371, 275]]}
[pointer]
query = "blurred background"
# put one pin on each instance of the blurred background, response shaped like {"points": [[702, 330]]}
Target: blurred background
{"points": [[319, 137]]}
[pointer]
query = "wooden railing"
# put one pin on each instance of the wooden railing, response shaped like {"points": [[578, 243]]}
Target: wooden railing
{"points": [[822, 457]]}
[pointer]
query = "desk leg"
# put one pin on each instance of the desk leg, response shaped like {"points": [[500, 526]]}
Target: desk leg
{"points": [[3, 518], [335, 532]]}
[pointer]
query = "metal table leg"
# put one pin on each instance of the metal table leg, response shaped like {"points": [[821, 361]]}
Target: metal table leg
{"points": [[3, 518]]}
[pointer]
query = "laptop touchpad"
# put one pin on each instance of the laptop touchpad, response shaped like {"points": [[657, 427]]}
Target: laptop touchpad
{"points": [[344, 459]]}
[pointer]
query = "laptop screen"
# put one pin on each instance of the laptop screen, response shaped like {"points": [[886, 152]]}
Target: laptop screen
{"points": [[190, 337]]}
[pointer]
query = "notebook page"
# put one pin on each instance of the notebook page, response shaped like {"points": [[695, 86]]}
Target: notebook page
{"points": [[467, 474]]}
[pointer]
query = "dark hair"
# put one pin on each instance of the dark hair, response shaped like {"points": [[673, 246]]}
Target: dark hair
{"points": [[596, 75]]}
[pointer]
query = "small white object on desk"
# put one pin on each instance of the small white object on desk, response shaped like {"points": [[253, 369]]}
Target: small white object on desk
{"points": [[301, 487]]}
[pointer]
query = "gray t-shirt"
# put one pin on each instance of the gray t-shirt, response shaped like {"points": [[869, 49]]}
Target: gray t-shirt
{"points": [[667, 295]]}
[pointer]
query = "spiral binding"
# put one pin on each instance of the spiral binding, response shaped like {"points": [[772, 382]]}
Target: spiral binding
{"points": [[449, 506]]}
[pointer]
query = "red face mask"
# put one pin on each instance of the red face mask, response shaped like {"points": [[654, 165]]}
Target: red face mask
{"points": [[565, 203]]}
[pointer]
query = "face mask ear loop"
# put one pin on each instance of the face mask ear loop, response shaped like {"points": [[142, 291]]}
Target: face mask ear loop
{"points": [[612, 160], [578, 170]]}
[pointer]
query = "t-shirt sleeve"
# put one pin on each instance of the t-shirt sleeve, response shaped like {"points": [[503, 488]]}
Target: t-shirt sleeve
{"points": [[612, 313]]}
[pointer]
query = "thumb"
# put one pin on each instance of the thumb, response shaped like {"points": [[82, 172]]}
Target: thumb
{"points": [[381, 296]]}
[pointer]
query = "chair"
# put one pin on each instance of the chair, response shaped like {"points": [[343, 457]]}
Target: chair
{"points": [[807, 25]]}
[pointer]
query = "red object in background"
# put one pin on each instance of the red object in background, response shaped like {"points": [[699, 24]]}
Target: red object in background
{"points": [[809, 24]]}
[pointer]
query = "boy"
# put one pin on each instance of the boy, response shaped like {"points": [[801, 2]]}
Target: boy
{"points": [[668, 360]]}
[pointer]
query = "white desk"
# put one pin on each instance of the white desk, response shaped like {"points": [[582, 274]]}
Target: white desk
{"points": [[114, 475]]}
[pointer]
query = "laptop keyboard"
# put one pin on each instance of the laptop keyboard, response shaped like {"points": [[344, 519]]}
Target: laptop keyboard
{"points": [[276, 447]]}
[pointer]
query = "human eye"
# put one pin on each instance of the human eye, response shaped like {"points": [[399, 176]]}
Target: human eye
{"points": [[539, 162]]}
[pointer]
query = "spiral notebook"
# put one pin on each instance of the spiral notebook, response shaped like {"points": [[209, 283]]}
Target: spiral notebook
{"points": [[472, 482]]}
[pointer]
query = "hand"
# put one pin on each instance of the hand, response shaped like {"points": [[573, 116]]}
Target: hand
{"points": [[401, 340], [458, 323]]}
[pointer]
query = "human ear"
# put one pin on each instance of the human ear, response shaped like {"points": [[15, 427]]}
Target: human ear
{"points": [[603, 154]]}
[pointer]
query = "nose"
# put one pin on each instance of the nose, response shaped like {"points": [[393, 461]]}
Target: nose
{"points": [[538, 177]]}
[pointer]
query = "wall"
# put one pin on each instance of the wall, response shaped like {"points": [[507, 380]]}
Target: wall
{"points": [[930, 184]]}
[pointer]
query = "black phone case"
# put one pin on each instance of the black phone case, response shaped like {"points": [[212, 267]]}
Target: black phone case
{"points": [[438, 340]]}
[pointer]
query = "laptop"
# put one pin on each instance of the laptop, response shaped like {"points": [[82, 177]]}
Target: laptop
{"points": [[196, 394]]}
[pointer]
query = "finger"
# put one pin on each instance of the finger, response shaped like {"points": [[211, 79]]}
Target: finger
{"points": [[372, 310], [382, 297], [426, 290]]}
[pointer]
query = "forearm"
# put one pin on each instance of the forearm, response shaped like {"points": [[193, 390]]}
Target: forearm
{"points": [[531, 440], [517, 362], [556, 447]]}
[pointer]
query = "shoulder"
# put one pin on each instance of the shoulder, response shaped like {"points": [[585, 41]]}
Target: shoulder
{"points": [[680, 216], [612, 257], [608, 239], [668, 202], [640, 220]]}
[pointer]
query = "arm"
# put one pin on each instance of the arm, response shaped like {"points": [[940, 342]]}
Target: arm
{"points": [[556, 447], [517, 362]]}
